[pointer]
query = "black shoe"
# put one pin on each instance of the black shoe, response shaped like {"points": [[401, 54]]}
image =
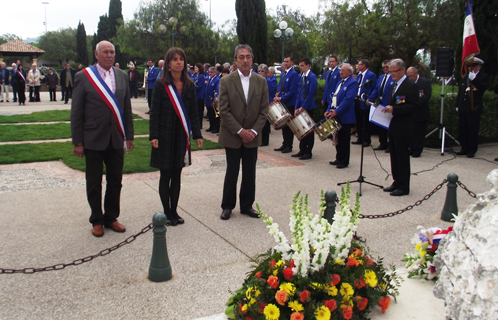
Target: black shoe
{"points": [[398, 193], [391, 188], [356, 142], [341, 166], [297, 155], [381, 147], [65, 102], [264, 145], [7, 100], [179, 219], [416, 155], [287, 150], [334, 163], [496, 159], [250, 212], [209, 130], [225, 214], [216, 131], [366, 144], [461, 153], [388, 150], [470, 155], [305, 156], [15, 100], [280, 149]]}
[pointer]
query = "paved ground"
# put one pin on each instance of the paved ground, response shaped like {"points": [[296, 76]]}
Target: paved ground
{"points": [[44, 221]]}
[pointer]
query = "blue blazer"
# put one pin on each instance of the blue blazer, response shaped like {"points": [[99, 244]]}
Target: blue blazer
{"points": [[151, 77], [13, 81], [310, 89], [368, 89], [200, 87], [212, 88], [346, 100], [5, 75], [288, 90], [386, 95], [272, 87], [330, 85]]}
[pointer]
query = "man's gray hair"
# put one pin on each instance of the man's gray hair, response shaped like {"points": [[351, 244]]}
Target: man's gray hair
{"points": [[212, 68], [97, 47], [264, 67], [14, 65], [227, 65], [240, 47], [350, 67], [398, 63], [271, 69]]}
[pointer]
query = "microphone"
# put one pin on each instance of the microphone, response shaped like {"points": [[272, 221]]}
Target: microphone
{"points": [[366, 83]]}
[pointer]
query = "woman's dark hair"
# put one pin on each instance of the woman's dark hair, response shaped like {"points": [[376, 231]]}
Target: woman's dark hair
{"points": [[166, 77], [200, 67], [21, 67]]}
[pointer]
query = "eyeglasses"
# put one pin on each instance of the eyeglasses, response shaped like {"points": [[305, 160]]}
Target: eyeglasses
{"points": [[395, 71], [242, 58]]}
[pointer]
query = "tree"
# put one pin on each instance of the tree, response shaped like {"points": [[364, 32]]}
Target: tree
{"points": [[59, 45], [102, 33], [6, 37], [81, 44], [252, 27], [114, 21], [486, 23]]}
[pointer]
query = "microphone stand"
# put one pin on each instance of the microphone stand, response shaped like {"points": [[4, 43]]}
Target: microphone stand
{"points": [[361, 178]]}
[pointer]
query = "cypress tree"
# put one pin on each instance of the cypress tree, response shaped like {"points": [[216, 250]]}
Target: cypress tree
{"points": [[115, 14], [81, 48], [252, 28]]}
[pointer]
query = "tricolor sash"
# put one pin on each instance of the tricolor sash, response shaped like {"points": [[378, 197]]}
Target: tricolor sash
{"points": [[181, 112], [106, 94], [22, 76]]}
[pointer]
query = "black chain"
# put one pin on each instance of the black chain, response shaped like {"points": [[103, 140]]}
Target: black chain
{"points": [[472, 194], [76, 262], [392, 214]]}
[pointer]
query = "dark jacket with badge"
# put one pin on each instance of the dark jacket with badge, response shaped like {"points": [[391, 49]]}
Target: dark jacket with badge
{"points": [[404, 102], [465, 98], [422, 113]]}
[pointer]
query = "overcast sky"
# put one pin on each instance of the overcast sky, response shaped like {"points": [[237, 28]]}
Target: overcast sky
{"points": [[25, 18]]}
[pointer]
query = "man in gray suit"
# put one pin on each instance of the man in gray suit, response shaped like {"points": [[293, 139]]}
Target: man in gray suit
{"points": [[243, 103], [97, 136]]}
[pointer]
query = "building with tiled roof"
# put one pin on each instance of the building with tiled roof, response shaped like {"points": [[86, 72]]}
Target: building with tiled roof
{"points": [[18, 48]]}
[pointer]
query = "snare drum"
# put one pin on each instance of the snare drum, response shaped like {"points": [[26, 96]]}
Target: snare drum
{"points": [[326, 127], [278, 115], [301, 125]]}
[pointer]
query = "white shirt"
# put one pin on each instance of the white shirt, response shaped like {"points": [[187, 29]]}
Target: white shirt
{"points": [[245, 83]]}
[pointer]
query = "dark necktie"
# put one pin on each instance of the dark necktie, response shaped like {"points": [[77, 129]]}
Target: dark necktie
{"points": [[393, 90], [282, 78], [328, 78], [360, 77], [383, 85], [304, 87]]}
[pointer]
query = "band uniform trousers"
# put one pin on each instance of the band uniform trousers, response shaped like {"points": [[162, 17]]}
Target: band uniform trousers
{"points": [[362, 124], [287, 133], [343, 147], [307, 143]]}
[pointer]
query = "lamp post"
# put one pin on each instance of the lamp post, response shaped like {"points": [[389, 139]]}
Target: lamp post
{"points": [[283, 33], [45, 3], [172, 22]]}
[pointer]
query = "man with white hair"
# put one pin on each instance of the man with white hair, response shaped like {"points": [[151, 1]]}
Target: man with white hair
{"points": [[5, 82]]}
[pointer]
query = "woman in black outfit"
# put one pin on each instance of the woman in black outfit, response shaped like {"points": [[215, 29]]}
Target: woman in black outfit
{"points": [[166, 131], [21, 84]]}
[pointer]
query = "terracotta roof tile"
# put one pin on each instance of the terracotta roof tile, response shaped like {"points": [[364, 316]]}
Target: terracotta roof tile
{"points": [[17, 45]]}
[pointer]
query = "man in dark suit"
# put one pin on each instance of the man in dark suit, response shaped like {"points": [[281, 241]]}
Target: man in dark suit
{"points": [[470, 106], [243, 104], [4, 85], [367, 81], [342, 107], [99, 138], [422, 113], [67, 81], [287, 93], [13, 81], [404, 101], [133, 76], [332, 78]]}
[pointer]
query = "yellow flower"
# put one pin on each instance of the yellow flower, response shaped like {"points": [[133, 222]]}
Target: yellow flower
{"points": [[289, 288], [331, 290], [278, 266], [423, 253], [322, 313], [316, 285], [382, 285], [346, 301], [346, 290], [370, 278], [244, 308], [272, 312], [339, 262], [252, 292], [296, 306], [418, 246]]}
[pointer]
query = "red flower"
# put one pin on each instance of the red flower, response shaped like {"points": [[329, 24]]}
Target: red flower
{"points": [[273, 282], [352, 262], [359, 283], [335, 280], [369, 262], [287, 273], [347, 312], [384, 303], [248, 318], [272, 264], [258, 274], [291, 264], [262, 307], [357, 252], [240, 309], [362, 303], [304, 296], [331, 304]]}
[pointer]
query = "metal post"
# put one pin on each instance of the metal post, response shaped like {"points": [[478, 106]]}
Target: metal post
{"points": [[172, 38], [330, 200], [159, 269], [450, 204], [283, 43]]}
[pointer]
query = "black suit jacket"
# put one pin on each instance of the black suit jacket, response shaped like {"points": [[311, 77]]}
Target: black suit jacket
{"points": [[404, 103], [63, 76], [136, 75], [478, 85], [422, 113]]}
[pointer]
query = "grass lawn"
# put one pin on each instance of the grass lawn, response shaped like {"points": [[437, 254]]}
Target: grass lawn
{"points": [[28, 132], [136, 161], [43, 116]]}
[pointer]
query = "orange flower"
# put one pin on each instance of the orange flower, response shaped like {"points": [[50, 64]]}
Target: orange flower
{"points": [[331, 304], [273, 282], [384, 303], [347, 312], [242, 309], [272, 264], [304, 296], [258, 274], [357, 252], [281, 297], [262, 307], [362, 303], [360, 283], [352, 262], [369, 262], [297, 316], [335, 280], [287, 273]]}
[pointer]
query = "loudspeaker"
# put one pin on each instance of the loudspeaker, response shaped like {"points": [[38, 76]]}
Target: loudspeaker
{"points": [[445, 62]]}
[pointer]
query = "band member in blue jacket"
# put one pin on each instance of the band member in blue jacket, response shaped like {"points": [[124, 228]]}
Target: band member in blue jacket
{"points": [[151, 80], [287, 93], [342, 107], [306, 101], [332, 78], [367, 81], [212, 90], [200, 89]]}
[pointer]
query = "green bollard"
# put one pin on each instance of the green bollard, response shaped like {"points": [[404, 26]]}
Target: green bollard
{"points": [[330, 198], [450, 204], [159, 269]]}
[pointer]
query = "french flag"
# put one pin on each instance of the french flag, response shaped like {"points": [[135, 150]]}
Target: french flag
{"points": [[470, 45]]}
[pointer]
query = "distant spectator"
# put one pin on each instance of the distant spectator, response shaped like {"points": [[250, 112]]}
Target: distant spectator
{"points": [[5, 82], [116, 65], [133, 77], [33, 79], [80, 67], [21, 84], [13, 81], [52, 80], [67, 81]]}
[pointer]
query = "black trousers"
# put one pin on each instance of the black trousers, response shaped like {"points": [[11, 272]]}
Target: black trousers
{"points": [[383, 136], [63, 91], [34, 94], [95, 160], [21, 94], [362, 124], [287, 133], [14, 92], [133, 90], [420, 127], [149, 97], [265, 134], [468, 130], [214, 122], [169, 190], [68, 94], [249, 157], [306, 145], [200, 110], [343, 147], [400, 161], [52, 94]]}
